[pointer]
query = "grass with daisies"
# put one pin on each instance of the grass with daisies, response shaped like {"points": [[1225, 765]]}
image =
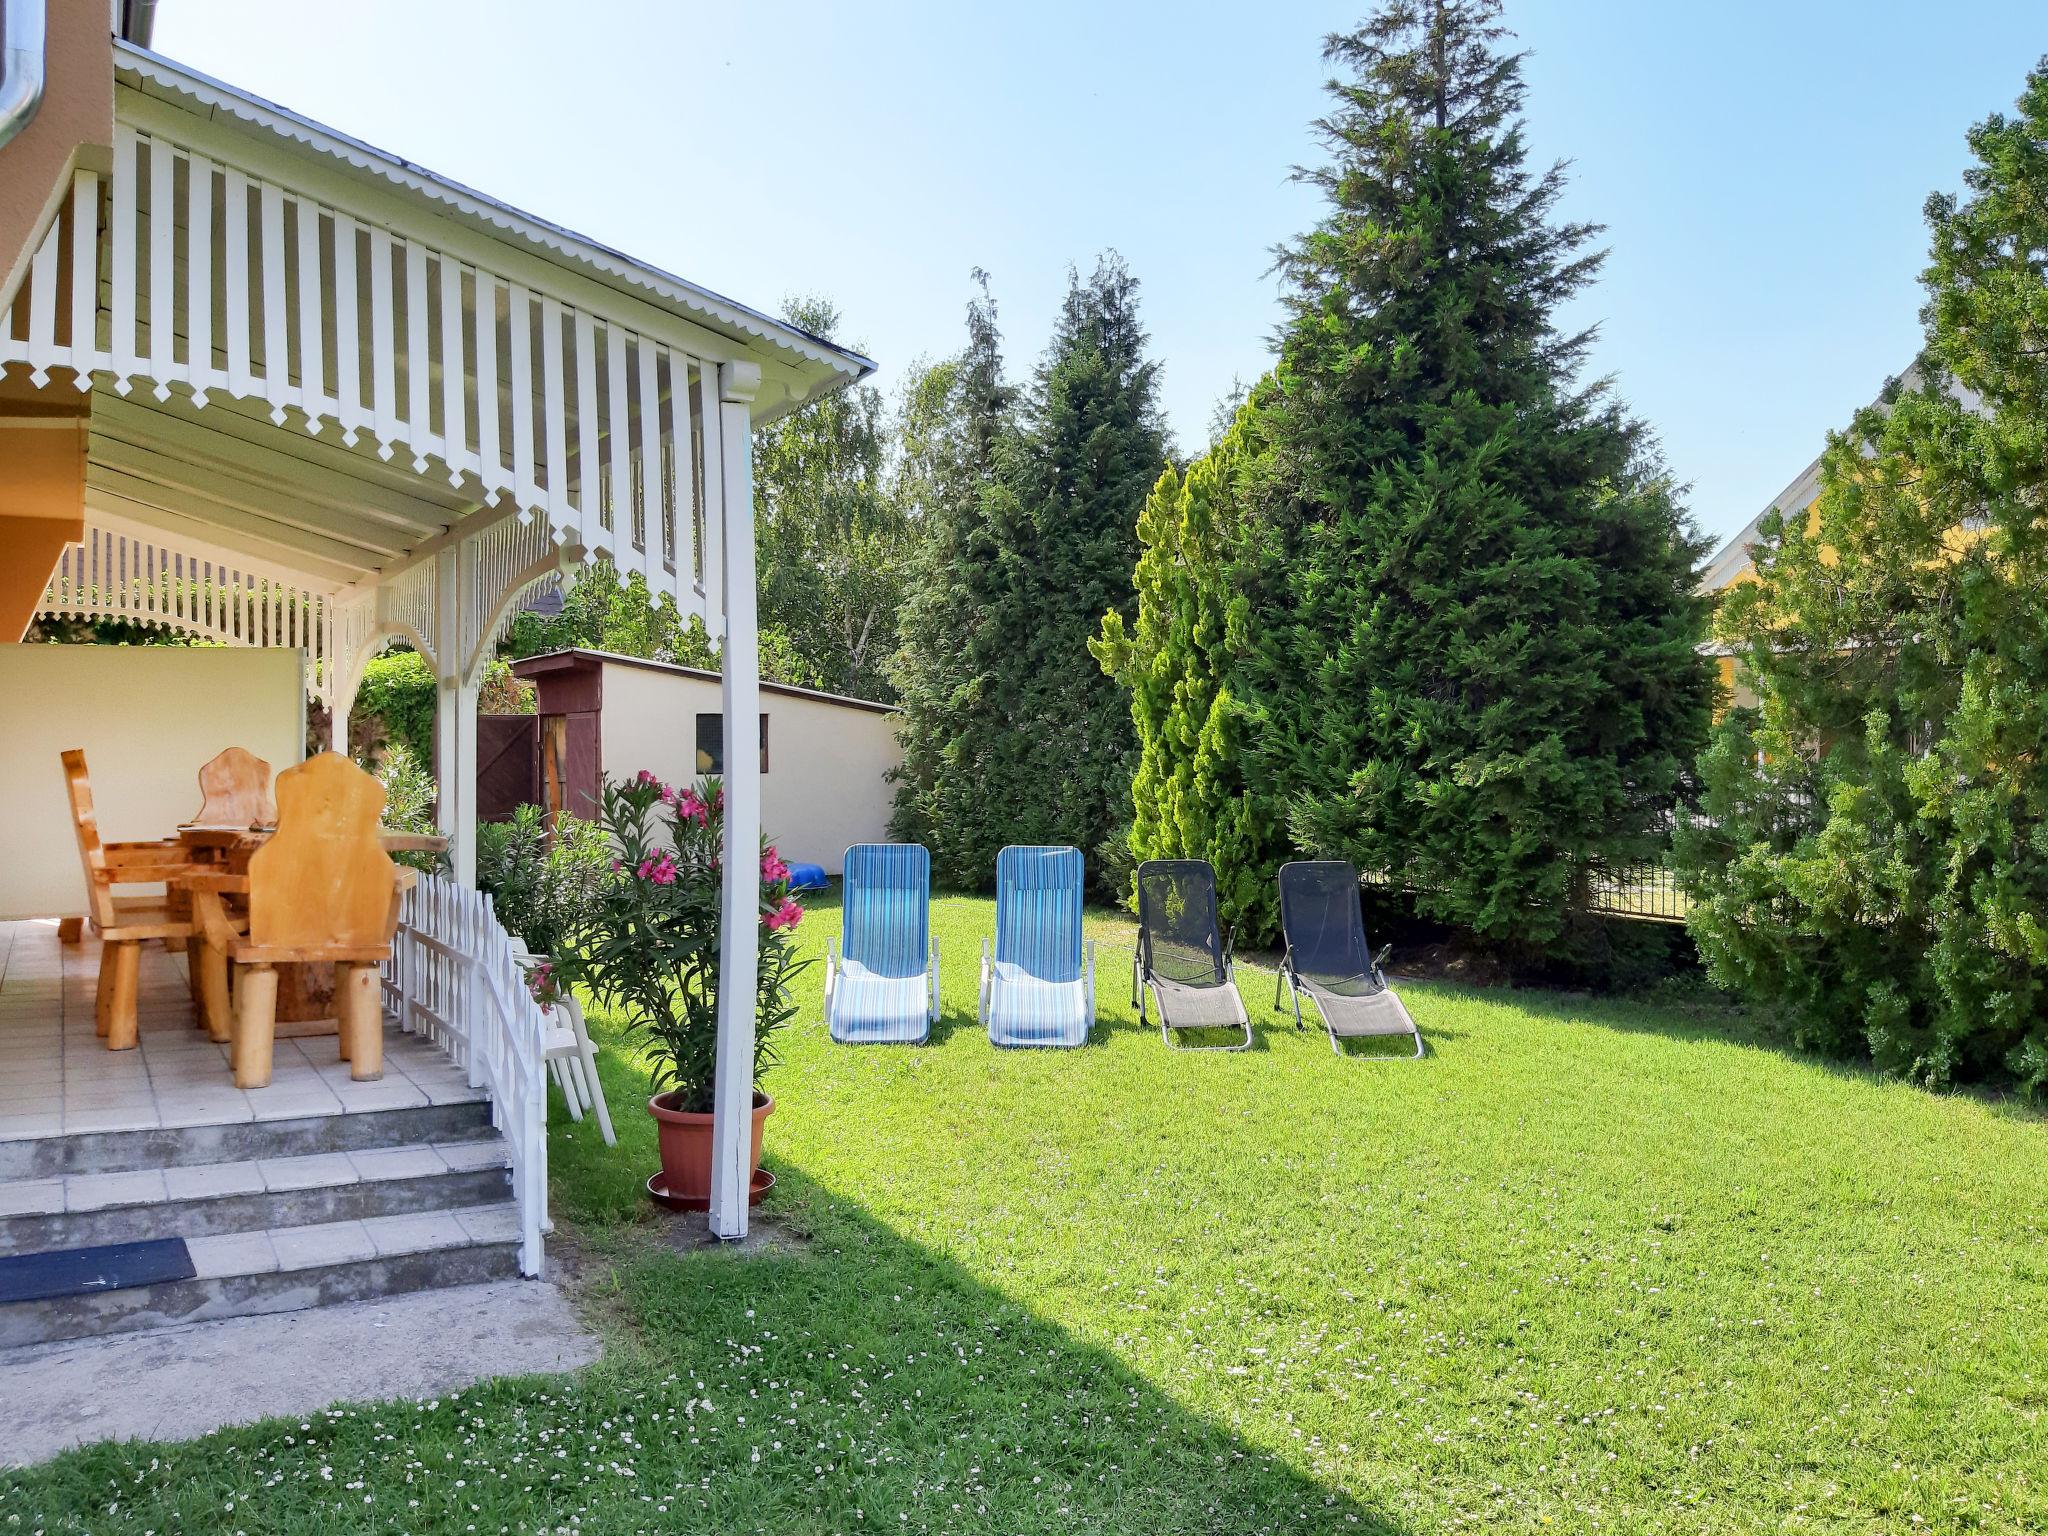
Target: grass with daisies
{"points": [[1593, 1265]]}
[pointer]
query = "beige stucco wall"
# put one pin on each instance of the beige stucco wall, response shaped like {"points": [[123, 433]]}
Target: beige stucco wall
{"points": [[825, 788], [147, 717]]}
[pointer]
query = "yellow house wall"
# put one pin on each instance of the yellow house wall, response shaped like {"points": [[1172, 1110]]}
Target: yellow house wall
{"points": [[147, 717]]}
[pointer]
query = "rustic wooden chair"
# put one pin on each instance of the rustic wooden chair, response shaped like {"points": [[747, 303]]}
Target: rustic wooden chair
{"points": [[322, 890], [124, 923], [234, 791]]}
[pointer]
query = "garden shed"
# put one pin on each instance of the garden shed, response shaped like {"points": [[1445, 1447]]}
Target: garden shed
{"points": [[825, 760]]}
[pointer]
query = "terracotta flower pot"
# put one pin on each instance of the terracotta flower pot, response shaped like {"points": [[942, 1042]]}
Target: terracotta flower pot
{"points": [[686, 1145]]}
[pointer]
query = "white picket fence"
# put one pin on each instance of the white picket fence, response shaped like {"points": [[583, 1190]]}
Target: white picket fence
{"points": [[452, 979]]}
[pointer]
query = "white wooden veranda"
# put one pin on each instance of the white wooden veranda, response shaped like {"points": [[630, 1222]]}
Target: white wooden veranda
{"points": [[336, 399]]}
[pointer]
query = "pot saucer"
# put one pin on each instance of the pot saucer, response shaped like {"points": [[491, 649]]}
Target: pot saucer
{"points": [[657, 1190]]}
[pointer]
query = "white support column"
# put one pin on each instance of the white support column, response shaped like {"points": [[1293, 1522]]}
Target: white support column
{"points": [[739, 929], [454, 715], [462, 846]]}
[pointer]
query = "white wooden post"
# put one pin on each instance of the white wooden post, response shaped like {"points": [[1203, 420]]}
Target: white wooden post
{"points": [[454, 715], [739, 930], [462, 845]]}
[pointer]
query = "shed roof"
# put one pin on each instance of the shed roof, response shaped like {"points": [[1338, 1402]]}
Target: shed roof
{"points": [[579, 657]]}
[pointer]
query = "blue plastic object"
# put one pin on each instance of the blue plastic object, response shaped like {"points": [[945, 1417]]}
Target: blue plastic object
{"points": [[807, 877]]}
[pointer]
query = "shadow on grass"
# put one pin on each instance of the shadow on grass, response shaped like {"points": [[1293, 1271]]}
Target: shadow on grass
{"points": [[884, 1386]]}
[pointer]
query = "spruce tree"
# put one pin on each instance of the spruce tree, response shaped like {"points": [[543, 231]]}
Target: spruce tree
{"points": [[1048, 745], [955, 416], [1469, 657], [1871, 859], [1023, 739]]}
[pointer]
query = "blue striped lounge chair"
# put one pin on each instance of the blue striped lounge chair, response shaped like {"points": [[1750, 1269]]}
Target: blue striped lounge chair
{"points": [[883, 986], [1038, 985]]}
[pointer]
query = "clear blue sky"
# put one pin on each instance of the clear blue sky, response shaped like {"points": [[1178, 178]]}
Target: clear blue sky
{"points": [[1760, 166]]}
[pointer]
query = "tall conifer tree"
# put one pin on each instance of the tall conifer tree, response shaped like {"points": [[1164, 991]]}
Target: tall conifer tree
{"points": [[1037, 745], [956, 415], [1455, 585], [1474, 665], [1871, 867]]}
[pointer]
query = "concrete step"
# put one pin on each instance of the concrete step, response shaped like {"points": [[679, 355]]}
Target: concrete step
{"points": [[48, 1157], [287, 1268], [193, 1200]]}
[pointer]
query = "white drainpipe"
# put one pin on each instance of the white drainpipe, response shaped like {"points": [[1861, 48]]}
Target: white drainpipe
{"points": [[21, 64]]}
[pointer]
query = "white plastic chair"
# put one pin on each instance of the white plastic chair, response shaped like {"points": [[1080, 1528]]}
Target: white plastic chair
{"points": [[571, 1059]]}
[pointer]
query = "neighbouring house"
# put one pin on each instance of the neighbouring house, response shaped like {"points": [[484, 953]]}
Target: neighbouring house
{"points": [[824, 759], [1732, 564], [268, 386]]}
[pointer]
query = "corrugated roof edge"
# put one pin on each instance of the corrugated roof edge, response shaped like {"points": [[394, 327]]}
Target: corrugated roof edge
{"points": [[789, 690], [256, 110]]}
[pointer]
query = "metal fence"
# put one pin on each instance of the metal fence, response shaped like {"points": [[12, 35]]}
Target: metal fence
{"points": [[1647, 892]]}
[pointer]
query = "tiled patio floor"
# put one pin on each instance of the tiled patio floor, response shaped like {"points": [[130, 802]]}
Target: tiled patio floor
{"points": [[56, 1078]]}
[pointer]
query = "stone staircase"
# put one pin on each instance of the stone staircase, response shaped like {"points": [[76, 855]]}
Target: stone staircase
{"points": [[277, 1214]]}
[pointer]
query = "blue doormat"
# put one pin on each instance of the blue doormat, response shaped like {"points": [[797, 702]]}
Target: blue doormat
{"points": [[82, 1271]]}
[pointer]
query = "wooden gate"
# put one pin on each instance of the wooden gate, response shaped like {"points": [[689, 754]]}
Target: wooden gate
{"points": [[507, 764]]}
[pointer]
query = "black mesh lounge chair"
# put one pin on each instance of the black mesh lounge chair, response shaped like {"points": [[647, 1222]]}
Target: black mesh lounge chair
{"points": [[1328, 959], [1182, 961]]}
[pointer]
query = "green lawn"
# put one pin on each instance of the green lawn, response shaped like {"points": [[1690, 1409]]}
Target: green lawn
{"points": [[1592, 1266]]}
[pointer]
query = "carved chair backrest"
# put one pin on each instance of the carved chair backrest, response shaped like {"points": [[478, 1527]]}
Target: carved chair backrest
{"points": [[324, 878], [234, 791]]}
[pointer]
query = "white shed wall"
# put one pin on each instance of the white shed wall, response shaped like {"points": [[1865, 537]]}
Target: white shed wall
{"points": [[825, 788]]}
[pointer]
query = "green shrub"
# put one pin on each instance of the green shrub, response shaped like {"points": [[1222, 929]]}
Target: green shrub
{"points": [[543, 887], [397, 693], [409, 792], [1870, 862]]}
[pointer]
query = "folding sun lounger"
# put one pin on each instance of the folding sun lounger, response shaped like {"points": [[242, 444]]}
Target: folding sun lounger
{"points": [[1038, 988], [1328, 959], [884, 988], [1182, 961]]}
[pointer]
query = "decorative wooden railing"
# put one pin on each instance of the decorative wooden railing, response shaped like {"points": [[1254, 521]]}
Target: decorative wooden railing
{"points": [[453, 978], [220, 282], [115, 574]]}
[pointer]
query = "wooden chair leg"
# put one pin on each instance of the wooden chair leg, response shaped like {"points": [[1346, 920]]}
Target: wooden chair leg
{"points": [[103, 996], [212, 967], [255, 1026], [121, 1022], [361, 1020]]}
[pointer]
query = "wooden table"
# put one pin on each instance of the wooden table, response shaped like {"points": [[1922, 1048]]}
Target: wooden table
{"points": [[305, 993], [232, 839]]}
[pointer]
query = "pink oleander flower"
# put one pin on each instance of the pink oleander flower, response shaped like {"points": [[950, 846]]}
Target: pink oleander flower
{"points": [[658, 871], [690, 808], [540, 981], [773, 870], [643, 778], [788, 915], [718, 799]]}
